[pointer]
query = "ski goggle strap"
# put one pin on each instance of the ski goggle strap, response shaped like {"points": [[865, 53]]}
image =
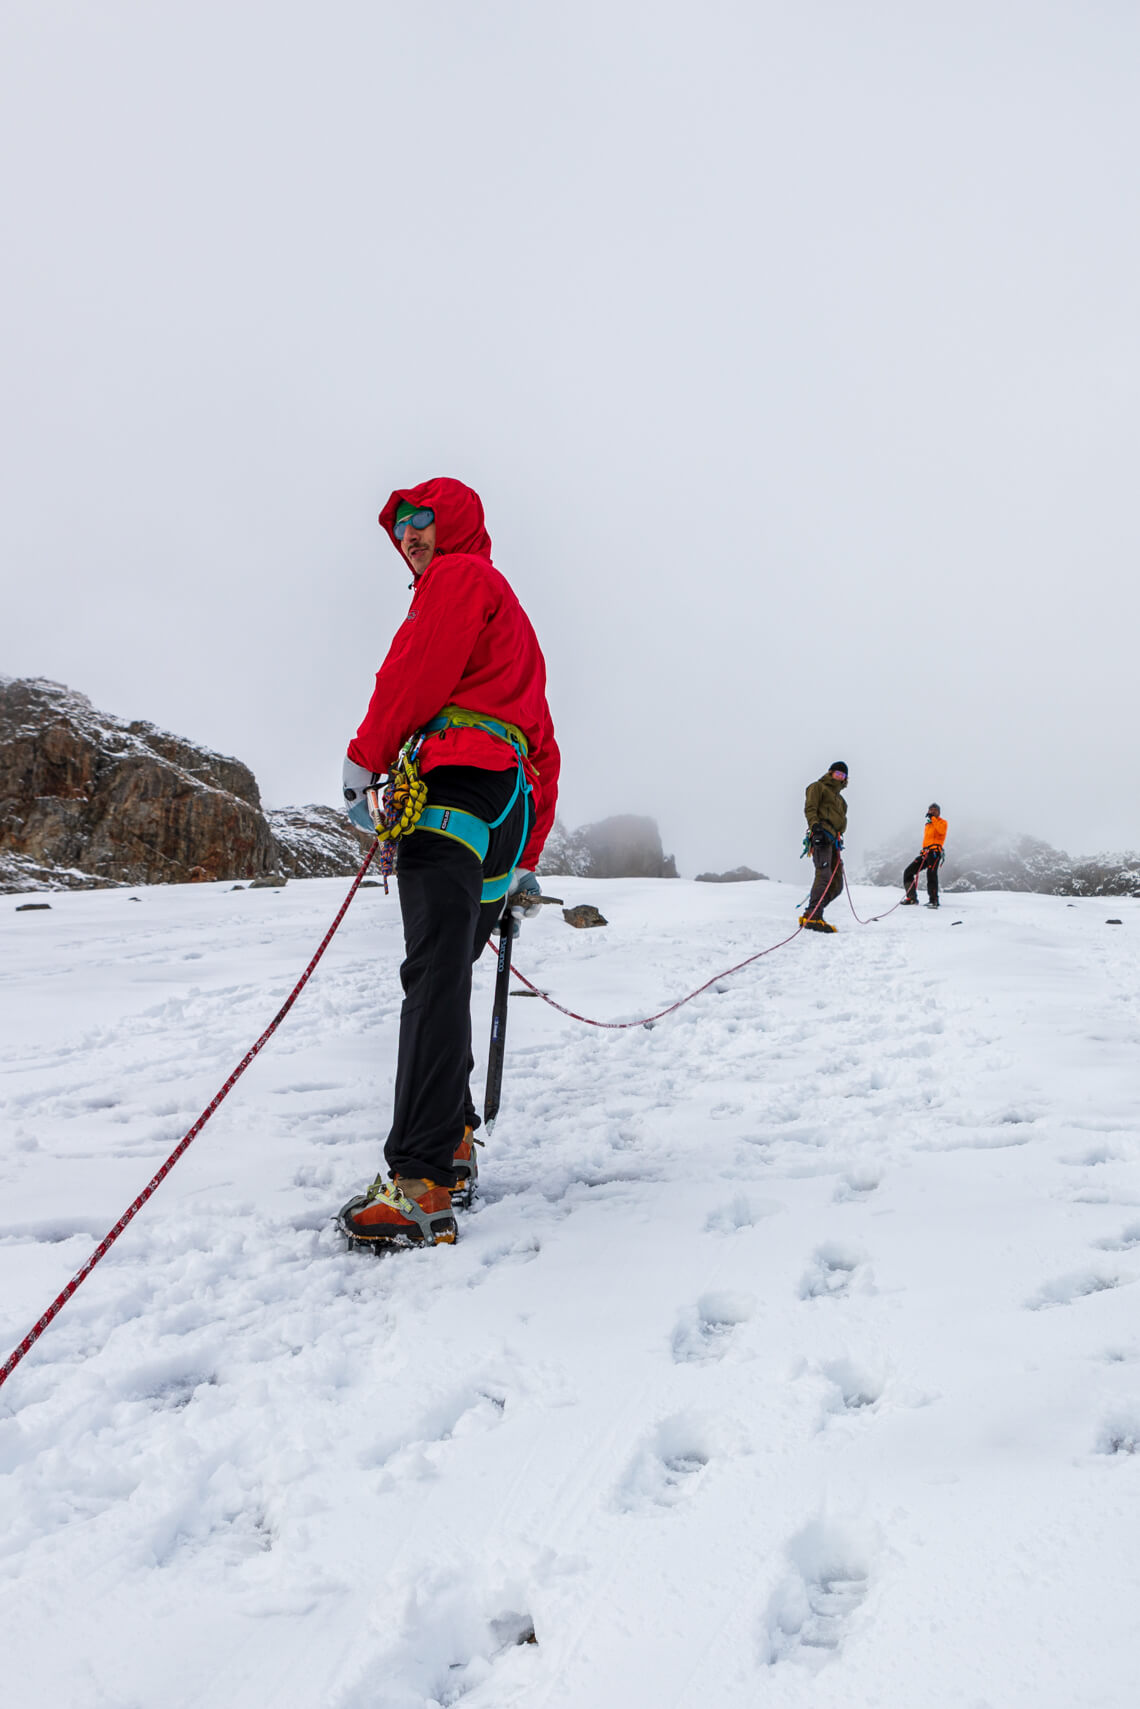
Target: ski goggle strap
{"points": [[407, 517]]}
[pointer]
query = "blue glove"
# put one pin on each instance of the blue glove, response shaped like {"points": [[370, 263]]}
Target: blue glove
{"points": [[524, 887], [355, 780]]}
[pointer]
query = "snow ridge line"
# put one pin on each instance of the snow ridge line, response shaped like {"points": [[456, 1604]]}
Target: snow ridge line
{"points": [[128, 1215]]}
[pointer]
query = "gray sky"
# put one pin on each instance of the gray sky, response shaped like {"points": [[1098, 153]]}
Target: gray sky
{"points": [[792, 349]]}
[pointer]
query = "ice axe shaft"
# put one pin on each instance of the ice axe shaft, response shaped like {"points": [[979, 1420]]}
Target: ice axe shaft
{"points": [[498, 1045]]}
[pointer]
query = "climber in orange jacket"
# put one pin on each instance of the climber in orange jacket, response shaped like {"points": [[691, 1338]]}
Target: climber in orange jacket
{"points": [[933, 849]]}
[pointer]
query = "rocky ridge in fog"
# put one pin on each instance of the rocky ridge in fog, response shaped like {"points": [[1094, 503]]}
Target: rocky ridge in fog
{"points": [[89, 800], [625, 846], [988, 860]]}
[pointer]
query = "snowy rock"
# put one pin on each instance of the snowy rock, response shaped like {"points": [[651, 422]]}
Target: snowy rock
{"points": [[738, 875], [316, 841], [87, 800], [585, 914]]}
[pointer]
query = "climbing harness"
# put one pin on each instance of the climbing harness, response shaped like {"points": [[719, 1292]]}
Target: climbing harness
{"points": [[401, 806], [468, 828]]}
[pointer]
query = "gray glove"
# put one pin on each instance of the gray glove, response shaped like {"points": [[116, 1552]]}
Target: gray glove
{"points": [[355, 779], [524, 887]]}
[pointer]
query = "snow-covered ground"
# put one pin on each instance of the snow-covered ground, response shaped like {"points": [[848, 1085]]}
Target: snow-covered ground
{"points": [[790, 1357]]}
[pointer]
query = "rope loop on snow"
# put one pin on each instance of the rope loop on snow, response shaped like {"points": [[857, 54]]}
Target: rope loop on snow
{"points": [[648, 1020]]}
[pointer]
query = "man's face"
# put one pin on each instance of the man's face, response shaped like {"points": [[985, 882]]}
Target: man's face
{"points": [[418, 547], [839, 776]]}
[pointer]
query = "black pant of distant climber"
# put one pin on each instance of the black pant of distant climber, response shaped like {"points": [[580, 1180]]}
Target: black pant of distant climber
{"points": [[928, 861], [446, 928]]}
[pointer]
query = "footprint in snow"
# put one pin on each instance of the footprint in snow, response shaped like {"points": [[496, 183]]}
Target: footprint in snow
{"points": [[857, 1184], [445, 1631], [1124, 1241], [739, 1213], [704, 1332], [1120, 1432], [415, 1453], [1092, 1158], [52, 1232], [809, 1612], [833, 1269], [854, 1388], [667, 1466], [1063, 1290]]}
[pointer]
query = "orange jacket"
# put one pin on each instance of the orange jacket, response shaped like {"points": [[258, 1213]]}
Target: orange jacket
{"points": [[934, 836]]}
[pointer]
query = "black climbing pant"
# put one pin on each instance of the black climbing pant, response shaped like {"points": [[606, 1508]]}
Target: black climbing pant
{"points": [[446, 928], [928, 861]]}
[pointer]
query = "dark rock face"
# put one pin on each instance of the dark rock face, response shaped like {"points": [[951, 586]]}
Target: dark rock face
{"points": [[88, 800], [738, 875], [626, 846], [316, 842]]}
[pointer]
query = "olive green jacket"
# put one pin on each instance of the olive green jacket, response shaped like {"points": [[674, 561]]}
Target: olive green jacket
{"points": [[823, 805]]}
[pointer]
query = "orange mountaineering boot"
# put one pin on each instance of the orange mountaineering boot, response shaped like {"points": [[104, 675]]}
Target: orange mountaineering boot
{"points": [[405, 1212], [465, 1165]]}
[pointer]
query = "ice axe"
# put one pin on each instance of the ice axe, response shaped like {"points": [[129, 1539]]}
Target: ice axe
{"points": [[508, 927]]}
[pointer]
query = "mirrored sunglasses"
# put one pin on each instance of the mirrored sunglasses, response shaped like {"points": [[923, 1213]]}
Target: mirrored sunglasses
{"points": [[418, 519]]}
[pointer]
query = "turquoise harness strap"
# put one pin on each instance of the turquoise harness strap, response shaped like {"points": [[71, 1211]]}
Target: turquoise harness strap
{"points": [[467, 828], [475, 834]]}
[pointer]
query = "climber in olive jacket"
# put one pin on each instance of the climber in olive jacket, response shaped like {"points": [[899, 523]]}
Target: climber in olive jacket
{"points": [[824, 805], [826, 813]]}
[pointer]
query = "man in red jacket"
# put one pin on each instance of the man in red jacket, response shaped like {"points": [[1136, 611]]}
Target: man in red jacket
{"points": [[465, 669]]}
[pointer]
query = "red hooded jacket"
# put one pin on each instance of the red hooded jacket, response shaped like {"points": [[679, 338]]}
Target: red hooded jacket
{"points": [[466, 641]]}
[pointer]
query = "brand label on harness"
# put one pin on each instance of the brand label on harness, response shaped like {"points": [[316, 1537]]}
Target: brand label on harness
{"points": [[446, 816]]}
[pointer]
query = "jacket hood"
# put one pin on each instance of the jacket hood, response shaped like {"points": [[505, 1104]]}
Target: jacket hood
{"points": [[459, 525]]}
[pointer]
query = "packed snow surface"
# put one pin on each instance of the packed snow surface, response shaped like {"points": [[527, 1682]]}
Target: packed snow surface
{"points": [[789, 1358]]}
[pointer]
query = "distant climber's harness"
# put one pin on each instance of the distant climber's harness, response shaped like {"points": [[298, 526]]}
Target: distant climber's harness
{"points": [[811, 841], [467, 828]]}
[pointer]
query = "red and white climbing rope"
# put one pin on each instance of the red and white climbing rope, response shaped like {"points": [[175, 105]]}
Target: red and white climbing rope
{"points": [[132, 1210]]}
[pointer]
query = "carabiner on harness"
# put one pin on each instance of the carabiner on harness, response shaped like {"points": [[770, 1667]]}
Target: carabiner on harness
{"points": [[396, 810]]}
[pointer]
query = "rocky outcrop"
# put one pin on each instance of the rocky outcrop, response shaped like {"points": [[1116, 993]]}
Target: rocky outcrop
{"points": [[584, 916], [87, 800], [738, 875], [316, 842], [626, 846]]}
